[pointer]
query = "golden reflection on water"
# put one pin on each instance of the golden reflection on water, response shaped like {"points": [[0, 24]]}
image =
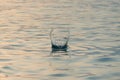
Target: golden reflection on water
{"points": [[25, 45]]}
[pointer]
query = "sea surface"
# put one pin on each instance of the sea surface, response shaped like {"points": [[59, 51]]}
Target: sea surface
{"points": [[94, 45]]}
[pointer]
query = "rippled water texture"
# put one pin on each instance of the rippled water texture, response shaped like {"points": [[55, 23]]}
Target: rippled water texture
{"points": [[94, 45]]}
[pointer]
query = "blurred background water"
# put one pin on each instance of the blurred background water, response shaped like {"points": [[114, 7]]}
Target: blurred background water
{"points": [[94, 39]]}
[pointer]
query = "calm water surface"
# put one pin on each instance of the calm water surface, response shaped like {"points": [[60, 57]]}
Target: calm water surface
{"points": [[94, 52]]}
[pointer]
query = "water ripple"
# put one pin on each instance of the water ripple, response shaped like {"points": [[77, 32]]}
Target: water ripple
{"points": [[94, 45]]}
